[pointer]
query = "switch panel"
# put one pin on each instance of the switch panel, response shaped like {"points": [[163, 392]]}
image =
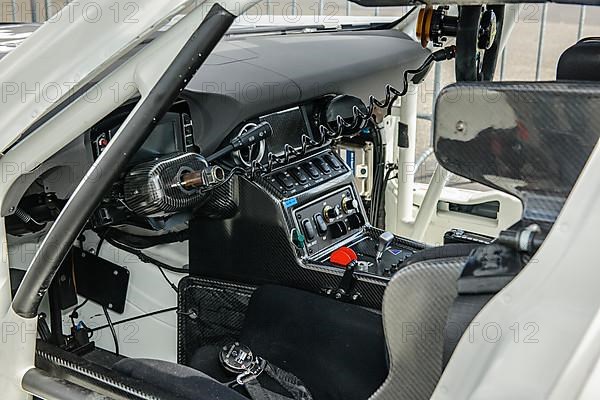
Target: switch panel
{"points": [[306, 174], [329, 219], [310, 168]]}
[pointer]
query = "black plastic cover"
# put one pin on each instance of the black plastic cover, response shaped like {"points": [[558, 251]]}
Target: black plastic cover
{"points": [[337, 349], [531, 140], [101, 281]]}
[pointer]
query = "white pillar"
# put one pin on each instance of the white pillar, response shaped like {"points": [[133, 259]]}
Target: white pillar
{"points": [[430, 202], [406, 159]]}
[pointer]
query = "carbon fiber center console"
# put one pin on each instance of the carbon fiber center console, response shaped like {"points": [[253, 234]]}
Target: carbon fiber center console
{"points": [[325, 220], [288, 223]]}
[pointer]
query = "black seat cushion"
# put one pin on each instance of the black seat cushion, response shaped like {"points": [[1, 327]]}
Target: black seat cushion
{"points": [[336, 349], [206, 359], [185, 382]]}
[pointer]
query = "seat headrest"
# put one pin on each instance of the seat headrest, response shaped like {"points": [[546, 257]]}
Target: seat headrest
{"points": [[581, 61]]}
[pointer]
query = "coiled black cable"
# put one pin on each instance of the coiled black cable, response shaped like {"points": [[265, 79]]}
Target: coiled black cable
{"points": [[359, 119], [378, 184]]}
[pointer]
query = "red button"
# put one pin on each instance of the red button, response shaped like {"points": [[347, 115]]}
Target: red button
{"points": [[343, 257]]}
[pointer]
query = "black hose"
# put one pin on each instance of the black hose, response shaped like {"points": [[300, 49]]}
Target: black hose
{"points": [[380, 217], [149, 260], [143, 242], [74, 313], [379, 162]]}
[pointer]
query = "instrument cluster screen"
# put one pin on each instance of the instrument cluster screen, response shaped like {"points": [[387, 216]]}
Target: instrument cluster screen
{"points": [[288, 128], [167, 137]]}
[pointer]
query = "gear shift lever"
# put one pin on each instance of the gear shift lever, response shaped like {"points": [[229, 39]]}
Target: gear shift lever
{"points": [[385, 239]]}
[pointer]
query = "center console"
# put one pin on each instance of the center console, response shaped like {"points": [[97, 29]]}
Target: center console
{"points": [[334, 217], [288, 223]]}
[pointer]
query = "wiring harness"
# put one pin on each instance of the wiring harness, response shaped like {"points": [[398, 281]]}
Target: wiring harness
{"points": [[360, 119], [368, 117]]}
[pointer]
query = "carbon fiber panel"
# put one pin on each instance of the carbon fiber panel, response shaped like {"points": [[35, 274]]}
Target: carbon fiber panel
{"points": [[255, 246], [209, 313], [220, 204], [529, 139], [415, 309], [153, 187]]}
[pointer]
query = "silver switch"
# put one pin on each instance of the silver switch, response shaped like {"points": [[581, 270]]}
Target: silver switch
{"points": [[385, 239]]}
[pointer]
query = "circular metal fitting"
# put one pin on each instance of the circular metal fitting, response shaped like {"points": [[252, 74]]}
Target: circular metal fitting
{"points": [[245, 157]]}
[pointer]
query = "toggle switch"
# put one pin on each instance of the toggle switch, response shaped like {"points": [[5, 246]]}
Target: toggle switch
{"points": [[338, 229], [349, 204], [298, 175], [330, 213], [321, 225], [309, 229]]}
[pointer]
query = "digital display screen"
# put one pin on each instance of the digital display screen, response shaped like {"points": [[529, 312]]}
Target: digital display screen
{"points": [[288, 127], [166, 138]]}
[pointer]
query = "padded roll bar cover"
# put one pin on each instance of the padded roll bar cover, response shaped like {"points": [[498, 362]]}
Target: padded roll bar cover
{"points": [[580, 61], [39, 382]]}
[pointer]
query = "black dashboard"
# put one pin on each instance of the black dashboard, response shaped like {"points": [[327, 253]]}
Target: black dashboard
{"points": [[303, 206], [251, 80], [248, 76], [253, 75]]}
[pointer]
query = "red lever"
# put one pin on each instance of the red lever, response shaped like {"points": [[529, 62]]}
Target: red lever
{"points": [[343, 257]]}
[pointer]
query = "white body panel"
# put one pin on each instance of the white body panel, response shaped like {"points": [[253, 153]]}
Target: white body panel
{"points": [[557, 292], [44, 61], [152, 337], [547, 317]]}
